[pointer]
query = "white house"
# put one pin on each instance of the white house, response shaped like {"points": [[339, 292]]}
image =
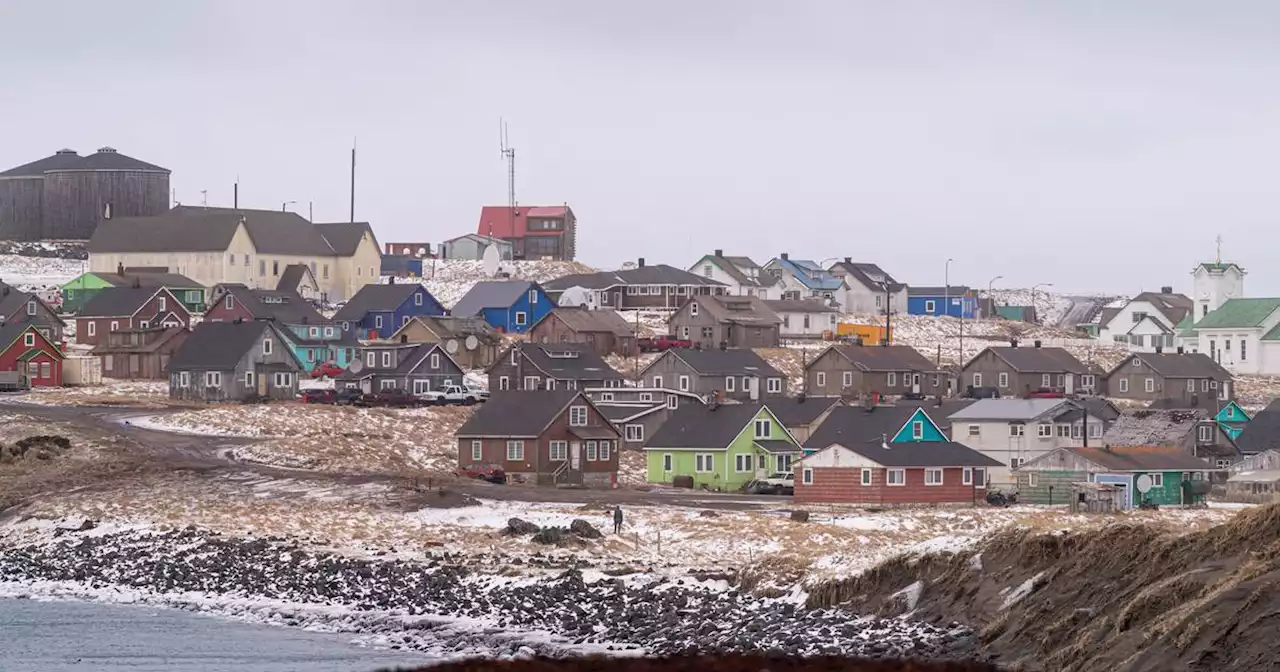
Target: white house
{"points": [[1012, 431], [805, 279], [741, 275], [803, 319], [1148, 321], [867, 286], [1241, 334]]}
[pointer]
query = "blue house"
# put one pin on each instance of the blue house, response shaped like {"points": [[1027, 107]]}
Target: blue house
{"points": [[805, 279], [954, 301], [313, 339], [377, 311], [513, 306]]}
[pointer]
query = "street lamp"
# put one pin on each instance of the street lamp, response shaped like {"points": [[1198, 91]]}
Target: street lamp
{"points": [[1033, 299], [284, 207], [946, 287], [991, 298]]}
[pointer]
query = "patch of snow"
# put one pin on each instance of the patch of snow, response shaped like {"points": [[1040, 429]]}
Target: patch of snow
{"points": [[911, 594], [1012, 597]]}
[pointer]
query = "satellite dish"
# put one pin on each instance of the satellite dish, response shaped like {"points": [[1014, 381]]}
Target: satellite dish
{"points": [[451, 345], [472, 341], [356, 366], [490, 259], [1144, 484]]}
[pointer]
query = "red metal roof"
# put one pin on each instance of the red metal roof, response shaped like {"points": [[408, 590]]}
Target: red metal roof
{"points": [[496, 220]]}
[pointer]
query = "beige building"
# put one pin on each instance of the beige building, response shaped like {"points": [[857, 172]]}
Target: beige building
{"points": [[251, 247]]}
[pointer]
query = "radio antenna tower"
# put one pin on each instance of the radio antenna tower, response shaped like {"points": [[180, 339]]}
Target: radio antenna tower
{"points": [[508, 155]]}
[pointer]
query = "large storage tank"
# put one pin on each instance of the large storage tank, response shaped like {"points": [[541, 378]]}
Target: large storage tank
{"points": [[106, 183], [22, 194]]}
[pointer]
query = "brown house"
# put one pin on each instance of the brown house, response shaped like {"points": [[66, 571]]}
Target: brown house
{"points": [[849, 370], [658, 287], [470, 341], [605, 331], [1177, 380], [139, 353], [26, 308], [1018, 371], [551, 366], [128, 308], [544, 437], [726, 321]]}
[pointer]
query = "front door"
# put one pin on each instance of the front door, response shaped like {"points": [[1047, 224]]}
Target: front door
{"points": [[915, 383], [575, 455], [1070, 384], [262, 384]]}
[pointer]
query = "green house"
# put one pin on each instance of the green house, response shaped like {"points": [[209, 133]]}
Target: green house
{"points": [[1166, 476], [1232, 418], [78, 292], [721, 447]]}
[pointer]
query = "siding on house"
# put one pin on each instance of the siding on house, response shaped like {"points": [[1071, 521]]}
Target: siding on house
{"points": [[844, 484]]}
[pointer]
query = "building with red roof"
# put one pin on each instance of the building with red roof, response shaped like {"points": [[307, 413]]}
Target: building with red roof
{"points": [[536, 232]]}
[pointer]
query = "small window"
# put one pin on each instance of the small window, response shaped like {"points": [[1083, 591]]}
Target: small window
{"points": [[975, 430], [846, 379], [1124, 384], [1045, 380], [1191, 384], [533, 297], [728, 383], [231, 302], [891, 379], [635, 433], [92, 331], [775, 386], [896, 477], [684, 383], [314, 332], [693, 309], [504, 383], [1015, 462], [866, 477], [530, 383], [212, 379], [673, 401], [933, 477], [1044, 430], [286, 380], [764, 428], [646, 396], [559, 451], [160, 304], [821, 379], [248, 379], [404, 319], [666, 462], [1017, 430], [742, 463], [591, 451], [417, 298], [1033, 480], [266, 346], [515, 451], [1157, 480], [606, 396], [377, 321], [551, 383], [522, 318], [704, 463], [386, 359], [977, 380], [29, 338], [115, 326], [917, 430], [1003, 380], [577, 416], [930, 307], [31, 307], [1206, 433], [184, 379], [435, 360], [346, 326], [806, 477], [966, 476], [1151, 384]]}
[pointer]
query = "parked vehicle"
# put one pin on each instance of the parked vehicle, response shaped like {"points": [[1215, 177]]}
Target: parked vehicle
{"points": [[998, 498], [391, 397], [490, 474], [972, 392], [326, 369], [347, 396], [1046, 393], [455, 394], [319, 396], [782, 483], [662, 343]]}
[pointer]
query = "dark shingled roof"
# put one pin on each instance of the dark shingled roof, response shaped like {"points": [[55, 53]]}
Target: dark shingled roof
{"points": [[148, 279], [14, 300], [107, 158], [584, 364], [658, 274], [375, 298], [9, 333], [733, 361], [747, 310], [121, 302], [699, 426], [518, 413], [793, 411], [1175, 365], [219, 346], [344, 237], [271, 304], [849, 425], [198, 229], [919, 454], [490, 294], [1262, 432], [883, 357], [1037, 360], [63, 158], [582, 320], [291, 277], [1140, 458], [870, 275]]}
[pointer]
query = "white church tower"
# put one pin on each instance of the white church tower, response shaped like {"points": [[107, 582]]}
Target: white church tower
{"points": [[1214, 283]]}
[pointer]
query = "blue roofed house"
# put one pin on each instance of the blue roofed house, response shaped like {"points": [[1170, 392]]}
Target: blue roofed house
{"points": [[377, 311], [954, 301], [313, 339], [512, 306], [804, 279]]}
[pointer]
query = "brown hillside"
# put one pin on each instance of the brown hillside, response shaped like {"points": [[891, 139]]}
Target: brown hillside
{"points": [[705, 663]]}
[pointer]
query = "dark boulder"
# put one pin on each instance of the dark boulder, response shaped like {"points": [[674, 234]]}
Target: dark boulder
{"points": [[584, 529]]}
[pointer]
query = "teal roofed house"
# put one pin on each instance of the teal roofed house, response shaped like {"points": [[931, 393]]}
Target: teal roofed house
{"points": [[919, 428], [1233, 419]]}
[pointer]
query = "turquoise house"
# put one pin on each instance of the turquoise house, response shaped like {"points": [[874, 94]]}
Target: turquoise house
{"points": [[313, 339], [1232, 419]]}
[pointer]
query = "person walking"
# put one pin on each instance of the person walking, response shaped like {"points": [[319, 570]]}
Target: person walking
{"points": [[617, 519]]}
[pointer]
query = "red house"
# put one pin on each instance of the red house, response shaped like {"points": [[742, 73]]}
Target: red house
{"points": [[535, 232], [128, 309], [26, 351]]}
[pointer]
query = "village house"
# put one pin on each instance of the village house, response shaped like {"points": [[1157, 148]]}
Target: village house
{"points": [[736, 373], [1177, 380], [25, 350], [472, 247], [410, 249], [660, 287], [604, 330], [510, 306], [232, 361], [866, 371], [869, 288], [417, 369], [803, 319], [1233, 419], [534, 231], [1165, 476], [740, 275], [551, 366], [638, 412], [378, 310], [470, 341], [1013, 431], [1148, 321], [552, 437], [726, 322], [804, 279], [128, 308], [888, 455], [79, 291], [1019, 371], [1255, 479], [139, 353], [18, 307], [400, 266], [802, 415], [213, 246], [1261, 432], [314, 339], [1193, 431], [719, 447], [298, 279], [1243, 335], [955, 301]]}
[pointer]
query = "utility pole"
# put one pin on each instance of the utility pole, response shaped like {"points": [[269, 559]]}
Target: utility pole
{"points": [[509, 155], [888, 327], [946, 288], [353, 181]]}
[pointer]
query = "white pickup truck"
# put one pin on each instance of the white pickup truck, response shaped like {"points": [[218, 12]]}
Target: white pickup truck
{"points": [[776, 484], [455, 394]]}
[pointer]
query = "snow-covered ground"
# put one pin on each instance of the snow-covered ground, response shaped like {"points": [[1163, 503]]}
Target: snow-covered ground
{"points": [[1050, 307], [30, 273], [448, 280], [111, 392]]}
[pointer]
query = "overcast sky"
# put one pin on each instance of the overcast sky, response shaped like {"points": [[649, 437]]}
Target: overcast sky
{"points": [[1097, 145]]}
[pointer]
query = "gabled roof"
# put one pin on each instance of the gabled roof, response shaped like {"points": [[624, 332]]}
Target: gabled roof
{"points": [[1154, 427], [1035, 360], [583, 320], [410, 361], [1014, 410], [370, 298], [850, 425], [746, 310], [219, 346], [519, 413], [497, 220], [292, 276], [1239, 314], [148, 278], [344, 237], [445, 327], [1140, 458], [197, 229], [794, 411], [1152, 320], [733, 267], [881, 357], [167, 334], [491, 294], [1218, 266], [731, 361], [698, 426], [910, 455], [1174, 307], [1096, 407], [953, 290], [626, 411], [809, 273], [870, 276], [1263, 430], [1174, 365], [565, 361], [801, 306], [121, 301], [12, 300], [1107, 314], [657, 274], [10, 332], [273, 304]]}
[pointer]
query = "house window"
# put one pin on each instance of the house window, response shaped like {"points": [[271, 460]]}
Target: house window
{"points": [[1064, 431], [821, 379], [846, 379], [891, 379], [504, 383], [325, 270], [783, 463], [929, 307], [328, 332], [46, 370], [184, 379], [966, 476], [212, 379], [262, 267], [666, 462], [371, 358], [346, 326], [1157, 480], [421, 386], [806, 477], [559, 451], [673, 401], [706, 270], [404, 319], [605, 446], [977, 380], [377, 321], [896, 477], [708, 332], [684, 383], [1062, 380], [742, 463], [160, 304], [1124, 384], [866, 477], [975, 430], [1044, 430], [314, 332], [1033, 480], [646, 396], [1191, 384], [775, 386], [764, 428], [693, 309], [230, 302], [533, 297], [635, 433], [1222, 464], [1017, 430], [591, 451], [1003, 379], [530, 383], [286, 380], [31, 308], [266, 346], [522, 318], [728, 383], [359, 272], [515, 451], [33, 369], [248, 379], [1206, 433], [143, 324], [1095, 431], [1076, 432], [477, 450], [386, 359], [115, 326], [1044, 380], [704, 463], [1204, 385], [917, 430], [1086, 382], [92, 331], [1015, 462], [1243, 357], [1151, 384], [435, 360], [933, 477], [577, 416], [551, 383], [417, 298]]}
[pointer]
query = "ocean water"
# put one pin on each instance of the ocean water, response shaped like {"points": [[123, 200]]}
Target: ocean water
{"points": [[64, 636]]}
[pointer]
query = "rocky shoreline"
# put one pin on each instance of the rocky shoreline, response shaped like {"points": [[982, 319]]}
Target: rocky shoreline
{"points": [[452, 610]]}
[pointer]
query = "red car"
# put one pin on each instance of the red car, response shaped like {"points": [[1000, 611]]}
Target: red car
{"points": [[319, 397], [326, 369]]}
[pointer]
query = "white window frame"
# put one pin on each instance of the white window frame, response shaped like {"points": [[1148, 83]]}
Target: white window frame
{"points": [[387, 384], [230, 303], [213, 379], [435, 360], [504, 383], [377, 321], [1033, 480], [867, 477], [285, 379], [551, 383], [975, 430], [684, 383], [977, 380], [477, 450], [606, 396], [1046, 380], [889, 478], [522, 318], [1157, 480], [605, 448], [1044, 430], [417, 298], [765, 423], [634, 433], [1204, 385], [693, 309], [806, 476], [248, 379], [530, 383], [891, 379], [774, 386], [31, 307], [930, 307], [673, 401], [1002, 379], [846, 379], [1016, 429], [931, 474], [1205, 433], [386, 359], [92, 330], [646, 396], [704, 463], [115, 326], [729, 384], [668, 462], [558, 451], [515, 450], [966, 476], [184, 379], [160, 304], [590, 450], [266, 346], [578, 416], [917, 430], [821, 379], [1124, 384], [743, 463], [1150, 385], [1191, 384]]}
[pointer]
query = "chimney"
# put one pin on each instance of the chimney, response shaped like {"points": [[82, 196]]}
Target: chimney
{"points": [[640, 262], [719, 253], [1167, 289], [120, 268], [1037, 342], [784, 256], [848, 260], [1180, 350], [1013, 342]]}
